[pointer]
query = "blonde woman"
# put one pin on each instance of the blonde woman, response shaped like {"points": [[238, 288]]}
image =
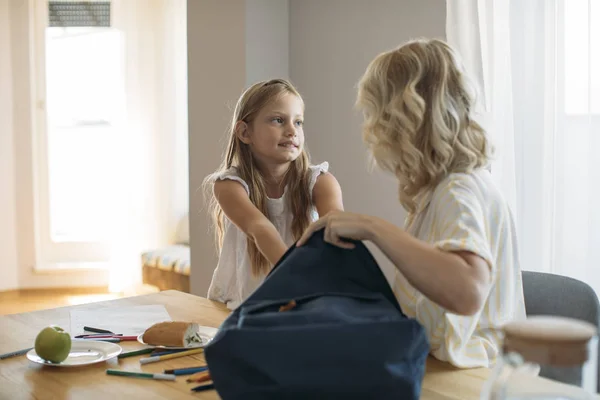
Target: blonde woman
{"points": [[457, 264], [266, 192]]}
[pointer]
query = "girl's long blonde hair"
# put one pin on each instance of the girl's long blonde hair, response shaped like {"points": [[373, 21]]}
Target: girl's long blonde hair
{"points": [[418, 109], [239, 156]]}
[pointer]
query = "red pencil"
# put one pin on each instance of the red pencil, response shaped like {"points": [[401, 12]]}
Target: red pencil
{"points": [[126, 338]]}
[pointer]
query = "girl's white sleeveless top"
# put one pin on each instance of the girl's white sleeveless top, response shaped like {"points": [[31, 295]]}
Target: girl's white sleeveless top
{"points": [[232, 280]]}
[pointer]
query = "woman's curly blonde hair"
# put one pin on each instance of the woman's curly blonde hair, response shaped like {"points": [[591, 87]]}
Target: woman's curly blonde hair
{"points": [[419, 125]]}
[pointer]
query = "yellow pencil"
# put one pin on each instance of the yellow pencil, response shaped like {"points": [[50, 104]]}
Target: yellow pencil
{"points": [[149, 360]]}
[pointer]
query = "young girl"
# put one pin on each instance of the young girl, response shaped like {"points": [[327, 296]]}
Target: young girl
{"points": [[266, 193], [457, 264]]}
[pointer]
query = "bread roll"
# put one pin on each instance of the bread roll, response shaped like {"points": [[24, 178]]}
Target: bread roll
{"points": [[173, 334]]}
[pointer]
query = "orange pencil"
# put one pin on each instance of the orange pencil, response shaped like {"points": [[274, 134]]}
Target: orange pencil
{"points": [[198, 374], [199, 380], [199, 377]]}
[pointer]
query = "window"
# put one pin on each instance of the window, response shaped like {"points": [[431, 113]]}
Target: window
{"points": [[80, 96], [581, 55], [544, 62], [577, 175]]}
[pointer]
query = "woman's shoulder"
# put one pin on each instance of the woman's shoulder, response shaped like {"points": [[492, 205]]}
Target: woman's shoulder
{"points": [[479, 180], [473, 186]]}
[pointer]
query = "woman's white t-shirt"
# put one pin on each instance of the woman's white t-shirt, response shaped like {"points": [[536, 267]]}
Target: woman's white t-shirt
{"points": [[467, 212], [232, 280]]}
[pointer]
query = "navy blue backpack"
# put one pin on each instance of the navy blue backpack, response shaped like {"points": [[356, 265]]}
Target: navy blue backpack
{"points": [[323, 325]]}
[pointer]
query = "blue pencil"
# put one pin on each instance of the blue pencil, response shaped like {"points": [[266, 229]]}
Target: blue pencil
{"points": [[185, 371], [15, 353], [202, 388]]}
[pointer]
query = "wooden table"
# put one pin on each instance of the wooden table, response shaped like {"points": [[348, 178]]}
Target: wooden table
{"points": [[22, 379]]}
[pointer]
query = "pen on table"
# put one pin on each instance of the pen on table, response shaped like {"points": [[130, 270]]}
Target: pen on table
{"points": [[186, 371], [170, 356], [146, 375], [136, 353], [15, 353], [202, 388], [96, 330]]}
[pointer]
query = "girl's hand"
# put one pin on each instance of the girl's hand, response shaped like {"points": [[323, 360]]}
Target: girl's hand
{"points": [[339, 225]]}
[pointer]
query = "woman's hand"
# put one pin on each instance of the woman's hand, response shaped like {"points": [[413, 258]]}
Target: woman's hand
{"points": [[340, 225]]}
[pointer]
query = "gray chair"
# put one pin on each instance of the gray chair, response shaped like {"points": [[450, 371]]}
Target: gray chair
{"points": [[549, 294]]}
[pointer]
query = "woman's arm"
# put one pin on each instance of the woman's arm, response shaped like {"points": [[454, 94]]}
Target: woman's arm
{"points": [[236, 205], [327, 194], [457, 281]]}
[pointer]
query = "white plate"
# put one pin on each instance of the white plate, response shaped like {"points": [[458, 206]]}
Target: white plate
{"points": [[207, 333], [83, 352]]}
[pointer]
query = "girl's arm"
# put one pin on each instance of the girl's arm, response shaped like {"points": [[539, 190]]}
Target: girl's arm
{"points": [[457, 281], [236, 205], [327, 194]]}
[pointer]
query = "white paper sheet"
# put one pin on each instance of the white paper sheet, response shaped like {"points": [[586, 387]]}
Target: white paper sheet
{"points": [[132, 320]]}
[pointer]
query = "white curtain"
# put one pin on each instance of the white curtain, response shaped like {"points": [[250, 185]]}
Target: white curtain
{"points": [[537, 65], [151, 157]]}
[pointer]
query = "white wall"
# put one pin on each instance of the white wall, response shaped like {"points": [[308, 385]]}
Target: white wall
{"points": [[267, 40], [9, 270], [331, 43]]}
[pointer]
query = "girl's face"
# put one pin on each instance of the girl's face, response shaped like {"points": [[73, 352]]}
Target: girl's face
{"points": [[276, 135]]}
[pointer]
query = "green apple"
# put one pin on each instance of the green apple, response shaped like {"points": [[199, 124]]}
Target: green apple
{"points": [[53, 344]]}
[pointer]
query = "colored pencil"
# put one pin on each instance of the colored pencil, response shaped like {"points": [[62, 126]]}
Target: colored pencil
{"points": [[90, 335], [198, 375], [153, 359], [146, 375], [15, 353], [162, 352], [126, 338], [135, 353], [118, 338], [96, 330], [199, 380], [185, 371], [103, 336], [202, 388]]}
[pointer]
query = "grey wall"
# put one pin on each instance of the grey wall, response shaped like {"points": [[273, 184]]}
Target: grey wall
{"points": [[331, 43], [267, 40], [216, 75]]}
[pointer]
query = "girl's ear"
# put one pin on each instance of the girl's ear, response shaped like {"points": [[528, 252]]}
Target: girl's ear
{"points": [[242, 132]]}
